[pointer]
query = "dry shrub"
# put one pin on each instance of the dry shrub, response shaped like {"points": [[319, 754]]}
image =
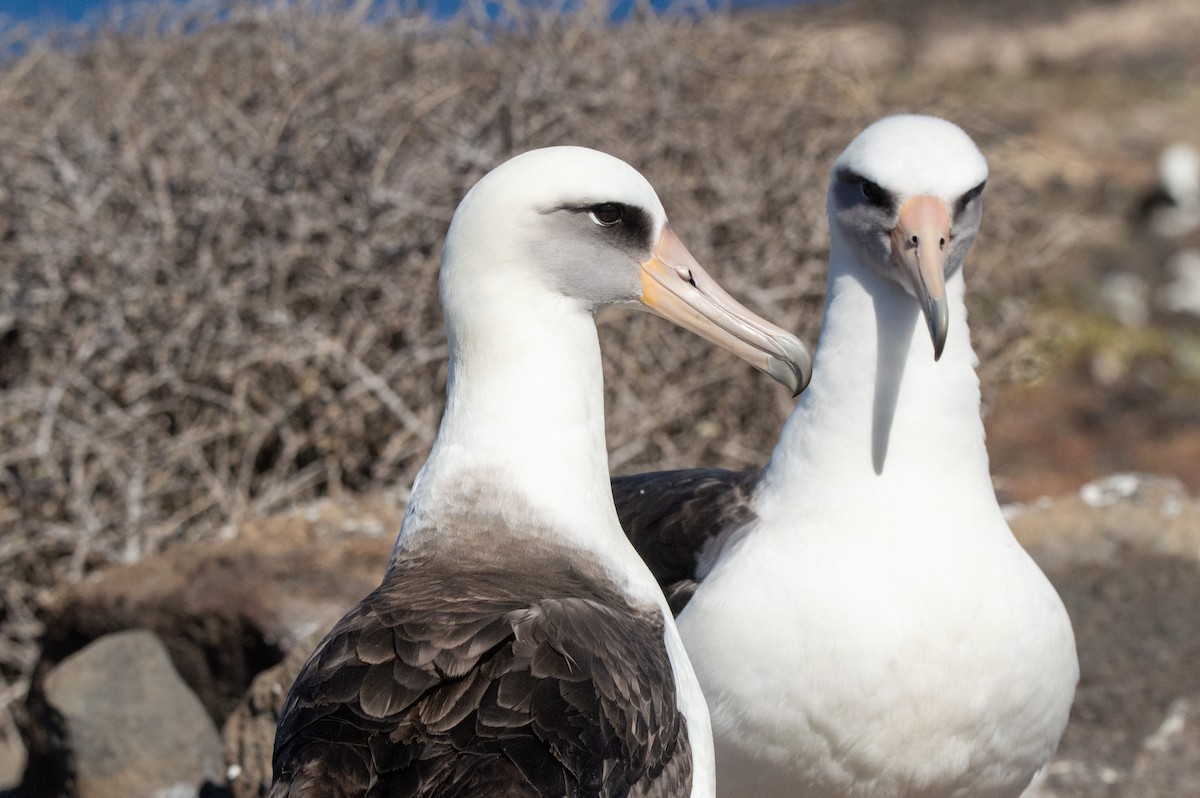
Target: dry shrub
{"points": [[220, 242]]}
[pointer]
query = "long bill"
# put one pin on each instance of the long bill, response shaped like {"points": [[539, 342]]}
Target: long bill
{"points": [[919, 242], [677, 288]]}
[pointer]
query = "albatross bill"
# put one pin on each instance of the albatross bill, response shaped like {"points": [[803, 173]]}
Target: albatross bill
{"points": [[676, 287], [919, 242]]}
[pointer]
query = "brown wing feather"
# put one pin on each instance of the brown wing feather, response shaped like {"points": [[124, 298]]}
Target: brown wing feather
{"points": [[671, 516], [461, 678]]}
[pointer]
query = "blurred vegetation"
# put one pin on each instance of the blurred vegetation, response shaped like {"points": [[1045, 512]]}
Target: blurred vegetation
{"points": [[219, 234]]}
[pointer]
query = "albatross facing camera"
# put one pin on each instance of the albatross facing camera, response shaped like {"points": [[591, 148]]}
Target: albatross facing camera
{"points": [[518, 646], [860, 618]]}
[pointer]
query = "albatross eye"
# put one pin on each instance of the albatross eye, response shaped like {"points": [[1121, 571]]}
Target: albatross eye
{"points": [[606, 214]]}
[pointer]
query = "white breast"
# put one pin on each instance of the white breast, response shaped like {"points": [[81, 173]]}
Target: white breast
{"points": [[927, 666]]}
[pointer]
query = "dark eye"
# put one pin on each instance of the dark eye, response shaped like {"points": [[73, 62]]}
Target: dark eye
{"points": [[607, 214], [875, 193]]}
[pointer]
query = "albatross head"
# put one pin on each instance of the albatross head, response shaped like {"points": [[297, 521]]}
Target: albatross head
{"points": [[905, 195], [587, 228]]}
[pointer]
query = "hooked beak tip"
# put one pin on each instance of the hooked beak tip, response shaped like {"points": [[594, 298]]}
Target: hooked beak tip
{"points": [[675, 286], [795, 369], [939, 321]]}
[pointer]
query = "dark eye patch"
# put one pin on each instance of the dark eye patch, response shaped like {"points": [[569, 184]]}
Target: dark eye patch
{"points": [[876, 195], [624, 225], [966, 199]]}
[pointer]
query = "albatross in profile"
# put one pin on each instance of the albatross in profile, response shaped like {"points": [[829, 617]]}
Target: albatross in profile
{"points": [[518, 646], [861, 620]]}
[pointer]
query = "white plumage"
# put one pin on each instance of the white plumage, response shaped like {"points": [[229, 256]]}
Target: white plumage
{"points": [[877, 632]]}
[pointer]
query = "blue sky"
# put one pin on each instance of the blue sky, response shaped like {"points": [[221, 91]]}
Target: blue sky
{"points": [[48, 11], [51, 12]]}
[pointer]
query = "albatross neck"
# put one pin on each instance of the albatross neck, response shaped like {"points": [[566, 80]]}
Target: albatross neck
{"points": [[882, 421], [523, 429]]}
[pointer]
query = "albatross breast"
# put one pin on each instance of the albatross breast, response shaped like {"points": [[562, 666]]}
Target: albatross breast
{"points": [[858, 614]]}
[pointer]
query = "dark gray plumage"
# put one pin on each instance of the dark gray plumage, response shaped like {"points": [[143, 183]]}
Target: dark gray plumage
{"points": [[504, 672], [675, 520]]}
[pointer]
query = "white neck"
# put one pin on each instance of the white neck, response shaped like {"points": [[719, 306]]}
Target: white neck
{"points": [[523, 429], [881, 422]]}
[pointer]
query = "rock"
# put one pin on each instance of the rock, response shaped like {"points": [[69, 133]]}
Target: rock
{"points": [[1107, 518], [121, 723], [228, 610], [1181, 294]]}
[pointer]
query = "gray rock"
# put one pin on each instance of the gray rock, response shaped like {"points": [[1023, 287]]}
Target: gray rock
{"points": [[124, 723], [227, 610]]}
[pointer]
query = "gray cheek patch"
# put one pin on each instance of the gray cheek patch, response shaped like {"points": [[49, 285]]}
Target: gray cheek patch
{"points": [[866, 228], [966, 227], [577, 258]]}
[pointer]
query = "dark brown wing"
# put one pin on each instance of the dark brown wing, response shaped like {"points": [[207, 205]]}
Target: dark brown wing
{"points": [[457, 680], [672, 516]]}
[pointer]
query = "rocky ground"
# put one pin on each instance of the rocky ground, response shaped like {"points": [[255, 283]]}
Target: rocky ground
{"points": [[1082, 309], [219, 630]]}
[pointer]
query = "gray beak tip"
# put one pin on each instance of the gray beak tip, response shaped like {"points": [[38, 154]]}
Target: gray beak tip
{"points": [[938, 316], [794, 371]]}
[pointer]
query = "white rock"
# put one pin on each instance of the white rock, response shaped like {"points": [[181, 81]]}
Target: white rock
{"points": [[1110, 490], [1179, 174], [1182, 293]]}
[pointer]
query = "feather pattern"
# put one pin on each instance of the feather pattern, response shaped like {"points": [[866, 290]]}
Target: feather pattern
{"points": [[539, 679], [680, 521]]}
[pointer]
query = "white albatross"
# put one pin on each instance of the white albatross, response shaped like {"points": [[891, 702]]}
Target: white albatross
{"points": [[518, 646], [861, 619]]}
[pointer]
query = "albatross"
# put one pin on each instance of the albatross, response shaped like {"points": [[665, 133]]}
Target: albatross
{"points": [[517, 645], [862, 622]]}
